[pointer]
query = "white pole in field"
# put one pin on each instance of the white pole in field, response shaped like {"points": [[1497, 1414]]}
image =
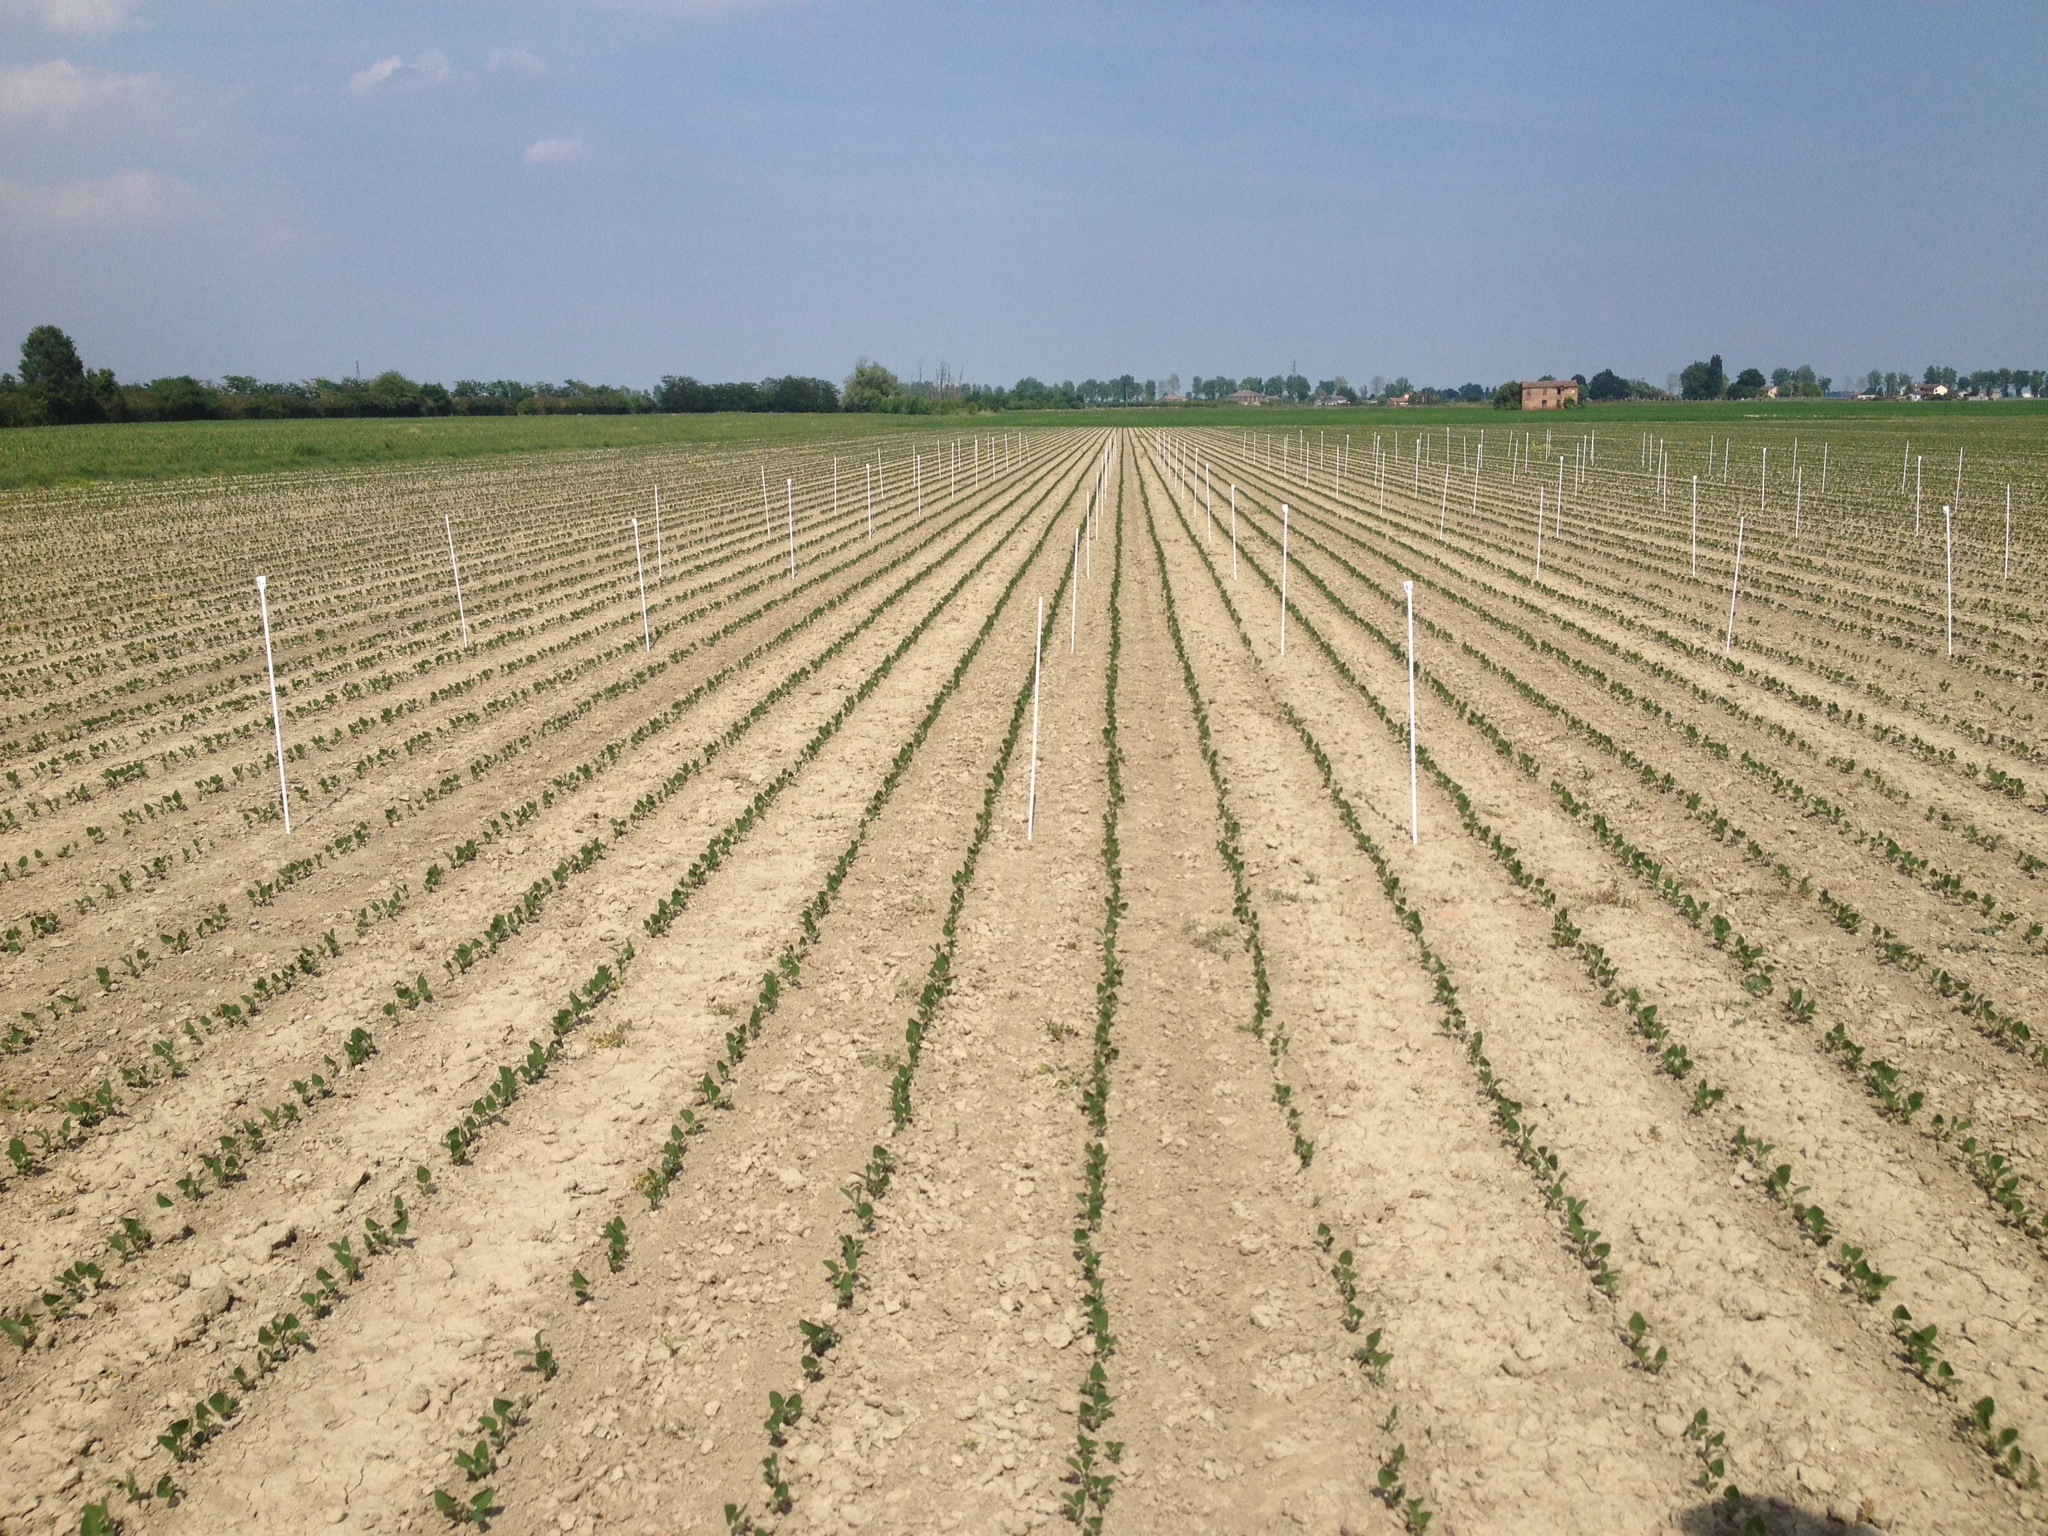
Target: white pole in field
{"points": [[1948, 540], [1763, 480], [1798, 498], [1444, 502], [1823, 469], [871, 499], [1283, 578], [789, 500], [1695, 525], [1734, 587], [1560, 493], [2006, 574], [1414, 812], [1037, 648], [1541, 492], [284, 797], [646, 630], [1958, 499], [1905, 464], [1074, 598], [456, 570], [657, 535], [1919, 473], [1233, 533]]}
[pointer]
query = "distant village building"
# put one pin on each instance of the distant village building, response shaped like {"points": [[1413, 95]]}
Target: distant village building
{"points": [[1248, 397], [1549, 394]]}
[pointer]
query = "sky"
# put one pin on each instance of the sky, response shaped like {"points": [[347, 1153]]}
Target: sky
{"points": [[616, 190]]}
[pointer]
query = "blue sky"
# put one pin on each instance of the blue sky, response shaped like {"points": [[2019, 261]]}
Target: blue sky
{"points": [[614, 191]]}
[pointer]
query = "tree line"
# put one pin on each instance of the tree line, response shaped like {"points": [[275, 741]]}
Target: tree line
{"points": [[54, 388]]}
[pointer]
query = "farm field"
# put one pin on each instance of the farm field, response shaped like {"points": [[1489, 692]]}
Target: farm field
{"points": [[912, 994]]}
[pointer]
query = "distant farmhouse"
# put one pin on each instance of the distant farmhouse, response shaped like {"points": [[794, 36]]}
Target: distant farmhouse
{"points": [[1549, 394], [1249, 397]]}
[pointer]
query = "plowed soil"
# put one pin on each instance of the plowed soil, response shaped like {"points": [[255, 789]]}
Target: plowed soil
{"points": [[918, 1001]]}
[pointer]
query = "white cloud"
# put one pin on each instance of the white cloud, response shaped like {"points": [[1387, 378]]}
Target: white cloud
{"points": [[394, 73], [517, 61], [84, 18], [556, 152], [55, 90], [128, 199]]}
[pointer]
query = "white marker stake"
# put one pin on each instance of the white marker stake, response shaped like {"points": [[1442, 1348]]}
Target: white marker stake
{"points": [[1037, 647], [1283, 578], [456, 570], [1695, 525], [646, 631], [284, 797], [1948, 539], [1444, 502], [1959, 477], [657, 535], [1734, 587], [1763, 480], [1798, 498], [1919, 472], [789, 499], [1233, 533], [1541, 492], [1074, 598], [871, 499], [1823, 469], [1414, 810]]}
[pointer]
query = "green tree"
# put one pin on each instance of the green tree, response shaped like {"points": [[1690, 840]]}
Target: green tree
{"points": [[871, 387], [1703, 381], [55, 379], [1607, 385], [1509, 396], [1748, 385]]}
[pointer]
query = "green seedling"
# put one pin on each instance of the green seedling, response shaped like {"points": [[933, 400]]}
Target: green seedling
{"points": [[94, 1520], [423, 1179], [1713, 1467], [710, 1095], [165, 1489], [18, 1154], [540, 1358], [738, 1522], [1868, 1283], [359, 1047], [1324, 1237], [578, 1286], [132, 1240], [844, 1273], [778, 1487], [818, 1341], [615, 1243], [19, 1327], [1922, 1352], [1705, 1098], [1414, 1516], [475, 1510], [782, 1412], [2002, 1445], [345, 1256], [477, 1464], [498, 1424], [1373, 1358], [1638, 1345]]}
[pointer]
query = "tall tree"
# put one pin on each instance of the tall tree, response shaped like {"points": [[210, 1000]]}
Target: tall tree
{"points": [[1703, 381]]}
